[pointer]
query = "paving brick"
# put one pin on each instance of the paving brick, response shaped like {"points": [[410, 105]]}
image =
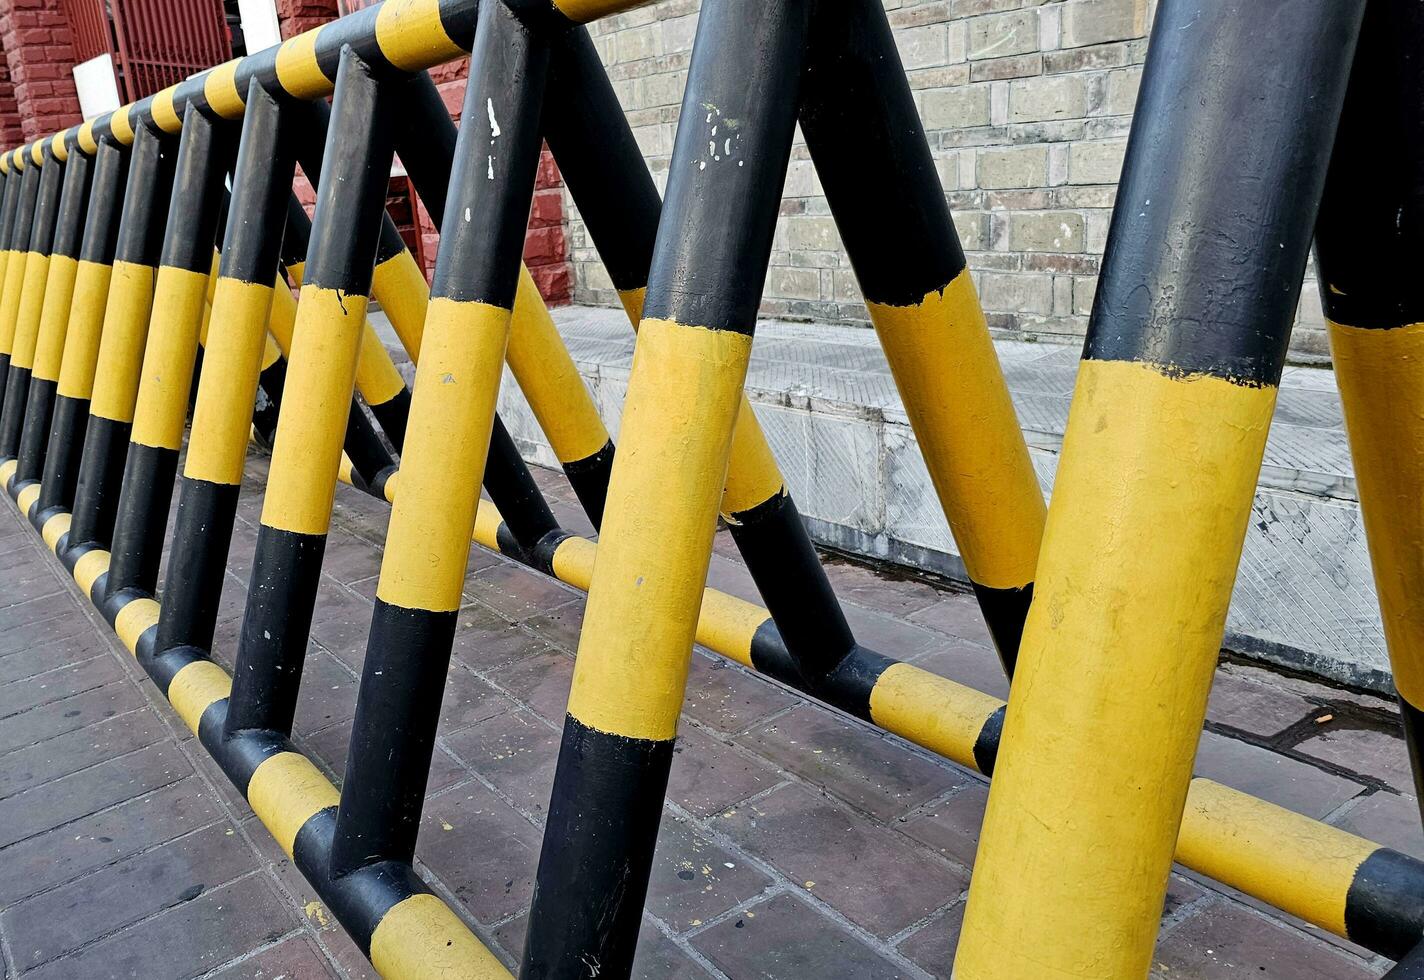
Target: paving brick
{"points": [[486, 641], [328, 693], [468, 700], [30, 613], [62, 619], [932, 945], [516, 751], [954, 614], [341, 622], [331, 745], [518, 592], [694, 880], [875, 774], [729, 698], [62, 682], [59, 855], [186, 940], [79, 794], [76, 750], [541, 680], [482, 849], [969, 664], [853, 865], [67, 715], [120, 894], [709, 775], [657, 957], [1227, 942], [784, 937], [1386, 819], [349, 558], [559, 626], [1250, 706], [880, 590], [1381, 755], [297, 958], [951, 827], [48, 656], [1275, 778]]}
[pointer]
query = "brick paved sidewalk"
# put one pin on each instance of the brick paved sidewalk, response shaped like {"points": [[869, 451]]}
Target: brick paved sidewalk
{"points": [[796, 842]]}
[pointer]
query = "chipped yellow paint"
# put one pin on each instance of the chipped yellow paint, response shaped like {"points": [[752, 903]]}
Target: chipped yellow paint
{"points": [[88, 568], [420, 938], [286, 791], [195, 688], [135, 618], [54, 529], [297, 69], [315, 912], [27, 497], [412, 36], [220, 89]]}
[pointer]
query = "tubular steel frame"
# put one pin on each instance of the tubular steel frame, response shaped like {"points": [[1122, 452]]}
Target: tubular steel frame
{"points": [[106, 311]]}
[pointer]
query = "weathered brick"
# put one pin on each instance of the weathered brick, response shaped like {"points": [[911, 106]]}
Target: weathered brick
{"points": [[1097, 21]]}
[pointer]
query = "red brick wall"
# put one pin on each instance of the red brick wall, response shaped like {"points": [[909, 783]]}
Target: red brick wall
{"points": [[40, 60], [10, 134], [545, 246]]}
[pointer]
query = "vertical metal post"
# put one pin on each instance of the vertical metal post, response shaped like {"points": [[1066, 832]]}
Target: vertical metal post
{"points": [[166, 375], [54, 319], [237, 340], [8, 199], [457, 385], [321, 369], [684, 395], [81, 340], [20, 233], [1201, 276], [1369, 246], [128, 302], [31, 305], [870, 152]]}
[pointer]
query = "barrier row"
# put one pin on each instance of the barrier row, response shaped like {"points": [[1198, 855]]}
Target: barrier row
{"points": [[1107, 609]]}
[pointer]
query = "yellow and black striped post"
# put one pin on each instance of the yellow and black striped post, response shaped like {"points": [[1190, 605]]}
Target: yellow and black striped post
{"points": [[54, 318], [1209, 239], [8, 200], [30, 309], [165, 378], [236, 344], [885, 195], [124, 331], [75, 383], [684, 395], [15, 269], [320, 378], [457, 383], [1369, 246]]}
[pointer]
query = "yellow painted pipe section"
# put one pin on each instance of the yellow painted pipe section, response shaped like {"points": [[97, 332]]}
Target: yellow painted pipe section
{"points": [[26, 498], [133, 620], [421, 939], [411, 34], [684, 393], [932, 711], [948, 373], [377, 377], [549, 378], [753, 477], [10, 298], [220, 89], [1150, 508], [1381, 379], [7, 470], [86, 323], [298, 71], [400, 287], [227, 388], [316, 406], [286, 791], [196, 688], [54, 529], [447, 439], [88, 568], [166, 376], [54, 317], [121, 342], [27, 320]]}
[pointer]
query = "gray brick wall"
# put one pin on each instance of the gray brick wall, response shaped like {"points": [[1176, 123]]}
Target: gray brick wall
{"points": [[1027, 105]]}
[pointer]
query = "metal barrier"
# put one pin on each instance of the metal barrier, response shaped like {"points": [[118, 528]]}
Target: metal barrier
{"points": [[104, 307]]}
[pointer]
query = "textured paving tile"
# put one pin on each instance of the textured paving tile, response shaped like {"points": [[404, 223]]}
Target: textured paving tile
{"points": [[932, 945], [76, 750], [48, 656], [728, 698], [63, 620], [188, 939], [785, 939], [1260, 772], [517, 752], [969, 664], [58, 921], [1227, 942], [62, 682], [709, 775], [541, 680], [297, 958], [1389, 820], [1250, 706], [847, 861], [877, 775], [1370, 753], [694, 880], [67, 715]]}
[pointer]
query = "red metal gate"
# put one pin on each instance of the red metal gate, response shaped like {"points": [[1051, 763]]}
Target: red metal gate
{"points": [[154, 43]]}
